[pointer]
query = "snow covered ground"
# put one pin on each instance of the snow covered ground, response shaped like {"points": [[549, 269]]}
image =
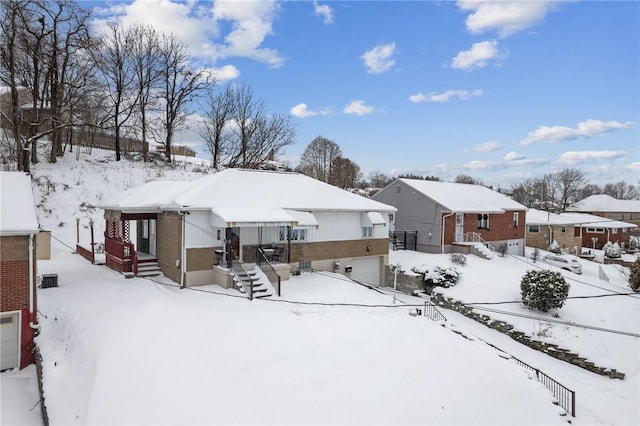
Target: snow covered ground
{"points": [[133, 351], [19, 398]]}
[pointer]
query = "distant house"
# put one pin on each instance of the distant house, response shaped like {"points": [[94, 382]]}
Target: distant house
{"points": [[611, 208], [18, 231], [197, 230], [449, 217], [572, 231]]}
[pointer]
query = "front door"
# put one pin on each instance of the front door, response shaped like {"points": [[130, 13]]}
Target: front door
{"points": [[459, 227], [233, 244]]}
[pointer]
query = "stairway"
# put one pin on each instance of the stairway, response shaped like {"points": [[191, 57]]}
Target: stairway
{"points": [[482, 251], [261, 285], [148, 269]]}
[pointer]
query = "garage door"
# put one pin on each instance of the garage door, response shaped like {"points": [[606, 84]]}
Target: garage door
{"points": [[366, 270], [9, 340], [515, 247]]}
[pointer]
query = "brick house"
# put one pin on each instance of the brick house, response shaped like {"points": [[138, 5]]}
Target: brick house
{"points": [[454, 217], [18, 231], [195, 231], [608, 207], [573, 231]]}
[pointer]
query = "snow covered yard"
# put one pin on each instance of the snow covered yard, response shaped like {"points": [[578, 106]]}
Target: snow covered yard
{"points": [[120, 351], [20, 400]]}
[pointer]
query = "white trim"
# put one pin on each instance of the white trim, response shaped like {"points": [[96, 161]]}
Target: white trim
{"points": [[19, 345]]}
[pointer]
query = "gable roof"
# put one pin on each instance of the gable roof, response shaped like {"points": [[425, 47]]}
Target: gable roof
{"points": [[17, 206], [605, 203], [463, 197], [540, 217], [243, 189]]}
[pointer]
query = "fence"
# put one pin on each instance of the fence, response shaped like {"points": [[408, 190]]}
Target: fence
{"points": [[566, 397]]}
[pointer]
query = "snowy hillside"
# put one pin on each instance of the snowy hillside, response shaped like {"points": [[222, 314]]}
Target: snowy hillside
{"points": [[135, 351]]}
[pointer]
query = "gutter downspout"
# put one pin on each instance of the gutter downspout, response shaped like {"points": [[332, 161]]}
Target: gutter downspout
{"points": [[442, 238], [182, 253], [550, 235], [33, 321]]}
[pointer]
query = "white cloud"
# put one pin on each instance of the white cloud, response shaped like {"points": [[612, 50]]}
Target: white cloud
{"points": [[380, 58], [633, 166], [489, 146], [225, 73], [200, 26], [302, 111], [504, 17], [574, 157], [587, 128], [513, 156], [478, 56], [358, 107], [481, 165], [325, 11], [444, 97]]}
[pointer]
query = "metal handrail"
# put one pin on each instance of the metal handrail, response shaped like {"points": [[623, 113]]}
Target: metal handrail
{"points": [[477, 238], [233, 257], [260, 252], [431, 311]]}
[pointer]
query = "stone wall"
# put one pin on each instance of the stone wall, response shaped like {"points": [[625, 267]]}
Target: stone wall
{"points": [[404, 283], [503, 327]]}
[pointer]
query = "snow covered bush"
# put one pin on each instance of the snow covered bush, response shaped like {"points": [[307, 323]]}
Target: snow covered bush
{"points": [[543, 290], [502, 249], [554, 247], [535, 255], [634, 275], [458, 259], [613, 251], [438, 276], [634, 243]]}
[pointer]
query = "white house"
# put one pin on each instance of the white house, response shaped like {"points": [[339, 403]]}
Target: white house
{"points": [[194, 230]]}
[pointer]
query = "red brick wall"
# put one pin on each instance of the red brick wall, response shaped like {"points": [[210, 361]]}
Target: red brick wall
{"points": [[500, 227], [14, 288]]}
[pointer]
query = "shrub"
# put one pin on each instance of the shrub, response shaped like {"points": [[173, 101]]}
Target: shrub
{"points": [[543, 290], [554, 247], [634, 276], [535, 255], [458, 259], [502, 249], [438, 276], [613, 251]]}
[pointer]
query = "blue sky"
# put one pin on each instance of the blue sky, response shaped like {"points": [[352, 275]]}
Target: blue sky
{"points": [[501, 91]]}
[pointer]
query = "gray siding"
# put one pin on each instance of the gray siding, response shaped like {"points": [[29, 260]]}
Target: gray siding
{"points": [[416, 212]]}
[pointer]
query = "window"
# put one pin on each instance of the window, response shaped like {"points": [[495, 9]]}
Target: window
{"points": [[282, 233], [483, 221], [593, 230], [564, 229], [304, 266], [515, 219], [534, 228], [367, 231], [218, 234], [298, 234], [614, 230]]}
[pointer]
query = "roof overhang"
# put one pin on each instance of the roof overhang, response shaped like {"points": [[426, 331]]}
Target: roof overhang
{"points": [[230, 217]]}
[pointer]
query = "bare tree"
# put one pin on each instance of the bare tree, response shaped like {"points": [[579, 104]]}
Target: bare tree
{"points": [[115, 62], [566, 185], [215, 130], [377, 179], [345, 173], [179, 86], [622, 190], [147, 66], [248, 111], [462, 178], [318, 158]]}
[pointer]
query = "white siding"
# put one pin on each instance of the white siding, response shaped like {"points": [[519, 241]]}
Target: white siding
{"points": [[199, 232]]}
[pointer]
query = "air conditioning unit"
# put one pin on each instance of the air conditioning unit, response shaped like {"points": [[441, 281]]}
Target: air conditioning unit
{"points": [[49, 281]]}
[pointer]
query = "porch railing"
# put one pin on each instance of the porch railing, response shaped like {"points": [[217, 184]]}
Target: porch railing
{"points": [[240, 269], [121, 256], [431, 311], [260, 257], [474, 237]]}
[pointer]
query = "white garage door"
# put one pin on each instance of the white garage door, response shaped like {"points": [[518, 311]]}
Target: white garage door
{"points": [[366, 270], [9, 341], [515, 247]]}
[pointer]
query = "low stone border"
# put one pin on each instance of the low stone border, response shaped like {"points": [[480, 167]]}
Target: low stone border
{"points": [[506, 328]]}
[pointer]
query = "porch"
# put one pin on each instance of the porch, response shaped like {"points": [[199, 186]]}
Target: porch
{"points": [[121, 254]]}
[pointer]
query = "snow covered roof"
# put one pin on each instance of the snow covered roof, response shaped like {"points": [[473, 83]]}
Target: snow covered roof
{"points": [[248, 190], [605, 203], [465, 198], [540, 217], [17, 206]]}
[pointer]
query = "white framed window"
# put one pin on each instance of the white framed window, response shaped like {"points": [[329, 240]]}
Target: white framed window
{"points": [[614, 230], [298, 234], [367, 231], [594, 230], [282, 233], [564, 229], [516, 216], [534, 228], [483, 221]]}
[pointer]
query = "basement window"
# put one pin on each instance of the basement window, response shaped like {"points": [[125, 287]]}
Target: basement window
{"points": [[534, 228]]}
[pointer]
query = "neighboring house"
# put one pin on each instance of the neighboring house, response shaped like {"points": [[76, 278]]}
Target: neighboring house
{"points": [[194, 230], [606, 206], [18, 232], [452, 216], [572, 231]]}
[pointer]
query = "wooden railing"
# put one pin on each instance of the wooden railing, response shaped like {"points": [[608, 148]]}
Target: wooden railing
{"points": [[121, 256]]}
